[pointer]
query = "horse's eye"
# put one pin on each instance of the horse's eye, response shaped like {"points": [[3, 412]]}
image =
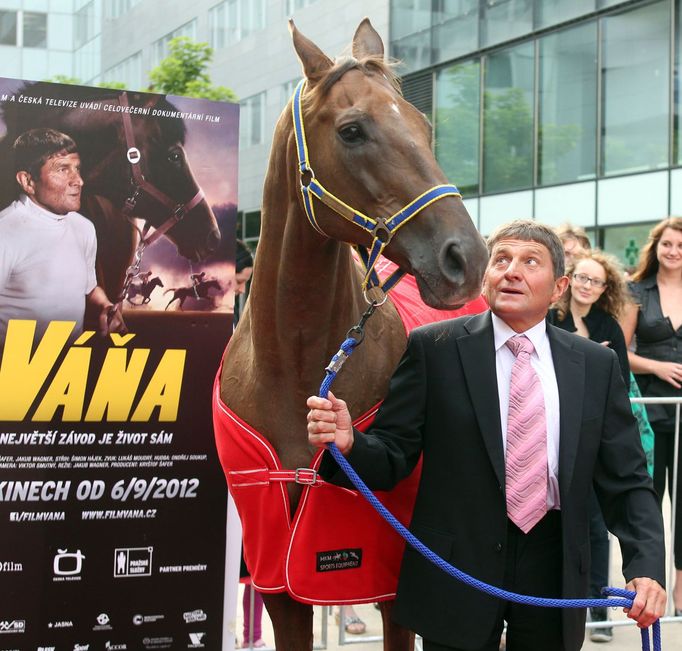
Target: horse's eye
{"points": [[174, 156], [352, 134]]}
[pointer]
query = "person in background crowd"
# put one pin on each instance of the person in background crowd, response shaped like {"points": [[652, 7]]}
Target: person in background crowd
{"points": [[512, 440], [574, 240], [654, 325], [243, 269], [590, 307], [47, 249]]}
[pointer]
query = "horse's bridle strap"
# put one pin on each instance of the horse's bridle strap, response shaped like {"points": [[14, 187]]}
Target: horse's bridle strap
{"points": [[134, 157], [381, 229]]}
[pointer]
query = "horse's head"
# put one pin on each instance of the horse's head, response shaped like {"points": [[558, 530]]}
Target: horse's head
{"points": [[371, 149], [168, 189]]}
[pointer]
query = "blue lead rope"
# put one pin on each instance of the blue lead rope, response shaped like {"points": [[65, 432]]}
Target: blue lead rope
{"points": [[615, 597]]}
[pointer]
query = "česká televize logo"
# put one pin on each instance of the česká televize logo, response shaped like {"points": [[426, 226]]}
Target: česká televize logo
{"points": [[67, 566]]}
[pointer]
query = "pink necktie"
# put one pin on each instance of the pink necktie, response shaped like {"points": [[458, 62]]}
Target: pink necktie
{"points": [[526, 466]]}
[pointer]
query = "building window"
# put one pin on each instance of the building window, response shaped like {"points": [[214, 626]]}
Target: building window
{"points": [[251, 121], [85, 28], [568, 105], [677, 158], [508, 119], [232, 20], [454, 28], [457, 124], [503, 20], [8, 27], [551, 12], [292, 5], [160, 47], [35, 29], [635, 78], [128, 72], [117, 8], [288, 90], [625, 241]]}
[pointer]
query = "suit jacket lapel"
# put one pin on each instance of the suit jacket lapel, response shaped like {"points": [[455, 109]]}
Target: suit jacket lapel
{"points": [[569, 366], [477, 352]]}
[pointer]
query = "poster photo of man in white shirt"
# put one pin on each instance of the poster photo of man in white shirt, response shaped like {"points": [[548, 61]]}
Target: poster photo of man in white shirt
{"points": [[48, 249]]}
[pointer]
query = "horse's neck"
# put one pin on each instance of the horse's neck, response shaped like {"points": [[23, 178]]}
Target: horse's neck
{"points": [[304, 295]]}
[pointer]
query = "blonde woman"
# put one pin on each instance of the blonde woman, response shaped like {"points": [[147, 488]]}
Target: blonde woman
{"points": [[655, 323]]}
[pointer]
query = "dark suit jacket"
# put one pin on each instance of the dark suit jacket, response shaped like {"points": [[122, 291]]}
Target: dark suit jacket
{"points": [[443, 402]]}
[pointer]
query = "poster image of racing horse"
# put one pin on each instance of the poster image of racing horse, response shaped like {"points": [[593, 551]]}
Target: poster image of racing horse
{"points": [[112, 499], [158, 182]]}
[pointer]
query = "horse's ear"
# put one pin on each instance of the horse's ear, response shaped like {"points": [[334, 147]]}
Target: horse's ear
{"points": [[314, 61], [367, 42]]}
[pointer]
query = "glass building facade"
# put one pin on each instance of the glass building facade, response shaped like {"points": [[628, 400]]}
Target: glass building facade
{"points": [[39, 38], [557, 110]]}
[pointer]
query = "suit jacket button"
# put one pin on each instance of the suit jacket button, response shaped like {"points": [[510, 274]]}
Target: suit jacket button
{"points": [[498, 547]]}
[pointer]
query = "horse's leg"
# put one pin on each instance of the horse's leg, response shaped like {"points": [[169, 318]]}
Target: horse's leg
{"points": [[396, 637], [292, 622]]}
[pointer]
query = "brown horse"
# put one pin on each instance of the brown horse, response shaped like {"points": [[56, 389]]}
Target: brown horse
{"points": [[134, 166], [372, 150]]}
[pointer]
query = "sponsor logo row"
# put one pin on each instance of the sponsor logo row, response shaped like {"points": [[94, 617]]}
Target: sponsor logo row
{"points": [[128, 562], [195, 640], [103, 623]]}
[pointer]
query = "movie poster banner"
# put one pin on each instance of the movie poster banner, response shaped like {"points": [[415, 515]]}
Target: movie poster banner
{"points": [[117, 222]]}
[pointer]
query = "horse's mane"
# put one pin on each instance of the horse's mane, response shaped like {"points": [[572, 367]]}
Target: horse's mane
{"points": [[370, 66]]}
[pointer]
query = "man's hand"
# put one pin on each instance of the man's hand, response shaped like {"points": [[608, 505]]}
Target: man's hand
{"points": [[111, 320], [648, 604], [329, 421]]}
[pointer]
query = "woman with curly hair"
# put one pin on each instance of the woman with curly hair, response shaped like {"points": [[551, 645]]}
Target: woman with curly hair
{"points": [[591, 305], [655, 321]]}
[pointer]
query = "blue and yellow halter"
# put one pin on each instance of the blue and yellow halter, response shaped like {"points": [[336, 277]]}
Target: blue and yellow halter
{"points": [[381, 229]]}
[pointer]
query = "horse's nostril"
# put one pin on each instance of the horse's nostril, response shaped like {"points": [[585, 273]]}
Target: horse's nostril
{"points": [[452, 262], [213, 240]]}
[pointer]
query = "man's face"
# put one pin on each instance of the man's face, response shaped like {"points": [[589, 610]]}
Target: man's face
{"points": [[571, 248], [240, 280], [519, 283], [59, 187]]}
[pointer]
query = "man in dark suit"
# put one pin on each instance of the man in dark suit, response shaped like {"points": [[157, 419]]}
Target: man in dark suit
{"points": [[450, 401]]}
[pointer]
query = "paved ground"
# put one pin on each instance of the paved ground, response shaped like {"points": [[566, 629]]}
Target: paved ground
{"points": [[625, 638]]}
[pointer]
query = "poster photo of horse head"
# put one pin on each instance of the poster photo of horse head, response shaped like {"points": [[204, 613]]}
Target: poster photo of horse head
{"points": [[155, 175]]}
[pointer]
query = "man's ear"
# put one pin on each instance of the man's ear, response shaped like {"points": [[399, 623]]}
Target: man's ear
{"points": [[25, 180], [560, 286]]}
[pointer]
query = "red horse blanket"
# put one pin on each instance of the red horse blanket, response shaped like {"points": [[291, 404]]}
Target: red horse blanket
{"points": [[336, 549]]}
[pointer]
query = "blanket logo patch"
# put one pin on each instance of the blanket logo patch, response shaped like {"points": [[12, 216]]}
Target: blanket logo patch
{"points": [[339, 559]]}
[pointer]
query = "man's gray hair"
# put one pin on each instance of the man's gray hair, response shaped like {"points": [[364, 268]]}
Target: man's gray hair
{"points": [[531, 231]]}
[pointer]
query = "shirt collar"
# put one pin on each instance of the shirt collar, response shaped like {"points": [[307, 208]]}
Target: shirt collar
{"points": [[537, 334], [39, 210]]}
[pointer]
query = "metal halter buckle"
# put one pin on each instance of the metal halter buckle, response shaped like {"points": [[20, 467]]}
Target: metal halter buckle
{"points": [[305, 476]]}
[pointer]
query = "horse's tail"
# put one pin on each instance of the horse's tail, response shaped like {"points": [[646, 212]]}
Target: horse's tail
{"points": [[170, 289]]}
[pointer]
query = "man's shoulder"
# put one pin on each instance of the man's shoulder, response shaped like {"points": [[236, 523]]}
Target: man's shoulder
{"points": [[9, 212], [441, 330], [11, 219]]}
